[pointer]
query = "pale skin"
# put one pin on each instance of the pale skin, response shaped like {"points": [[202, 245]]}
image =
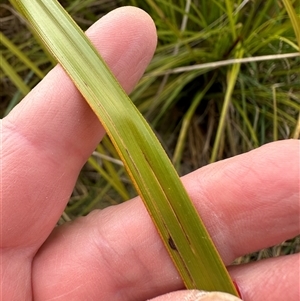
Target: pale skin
{"points": [[247, 203]]}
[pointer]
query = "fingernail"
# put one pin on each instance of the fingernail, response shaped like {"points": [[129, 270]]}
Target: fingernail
{"points": [[213, 296], [195, 295], [209, 296]]}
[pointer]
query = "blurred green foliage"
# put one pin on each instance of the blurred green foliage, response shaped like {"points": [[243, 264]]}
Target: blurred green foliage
{"points": [[200, 115]]}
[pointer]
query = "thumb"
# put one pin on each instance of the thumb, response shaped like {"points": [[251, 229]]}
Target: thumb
{"points": [[194, 295]]}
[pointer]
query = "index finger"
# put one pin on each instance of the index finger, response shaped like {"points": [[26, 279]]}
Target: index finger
{"points": [[49, 136]]}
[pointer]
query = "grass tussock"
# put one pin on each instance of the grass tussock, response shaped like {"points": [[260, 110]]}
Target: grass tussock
{"points": [[224, 80]]}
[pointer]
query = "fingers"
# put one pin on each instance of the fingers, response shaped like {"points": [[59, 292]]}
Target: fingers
{"points": [[49, 136], [273, 279], [247, 202], [250, 195]]}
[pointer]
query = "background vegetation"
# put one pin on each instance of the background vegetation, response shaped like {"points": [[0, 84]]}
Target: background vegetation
{"points": [[202, 106]]}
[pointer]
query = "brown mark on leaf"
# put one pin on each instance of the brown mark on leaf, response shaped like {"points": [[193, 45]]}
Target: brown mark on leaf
{"points": [[172, 244]]}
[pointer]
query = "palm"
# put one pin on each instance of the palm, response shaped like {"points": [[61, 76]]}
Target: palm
{"points": [[116, 254]]}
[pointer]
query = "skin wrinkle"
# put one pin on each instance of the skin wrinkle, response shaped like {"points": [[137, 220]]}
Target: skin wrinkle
{"points": [[30, 144], [110, 256], [20, 265], [16, 224], [114, 257], [27, 193], [67, 258], [67, 293]]}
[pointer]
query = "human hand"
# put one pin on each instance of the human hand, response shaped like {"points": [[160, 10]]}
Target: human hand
{"points": [[247, 203]]}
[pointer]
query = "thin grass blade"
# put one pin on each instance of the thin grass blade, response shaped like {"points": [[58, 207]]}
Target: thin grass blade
{"points": [[295, 19], [13, 75], [107, 176], [155, 179], [186, 123], [23, 58], [232, 78]]}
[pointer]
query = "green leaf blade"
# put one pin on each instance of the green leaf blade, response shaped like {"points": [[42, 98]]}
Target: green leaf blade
{"points": [[13, 75], [156, 180], [294, 18]]}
